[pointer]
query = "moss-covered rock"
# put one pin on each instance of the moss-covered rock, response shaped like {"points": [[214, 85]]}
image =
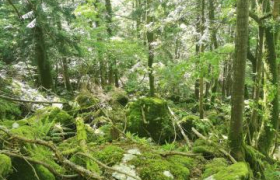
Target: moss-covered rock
{"points": [[237, 171], [208, 151], [119, 96], [5, 165], [151, 166], [214, 166], [24, 171], [9, 110], [86, 100], [149, 117], [109, 155]]}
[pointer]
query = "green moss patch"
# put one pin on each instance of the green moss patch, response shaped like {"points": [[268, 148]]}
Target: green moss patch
{"points": [[214, 166], [237, 171], [149, 117], [110, 155], [151, 166], [5, 165]]}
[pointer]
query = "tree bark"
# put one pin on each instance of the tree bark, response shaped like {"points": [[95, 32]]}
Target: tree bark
{"points": [[270, 124], [239, 65], [150, 38], [42, 61]]}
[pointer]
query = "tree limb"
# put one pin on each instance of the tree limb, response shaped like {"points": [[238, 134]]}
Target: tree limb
{"points": [[29, 101]]}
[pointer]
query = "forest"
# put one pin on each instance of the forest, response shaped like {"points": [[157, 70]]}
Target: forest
{"points": [[139, 89]]}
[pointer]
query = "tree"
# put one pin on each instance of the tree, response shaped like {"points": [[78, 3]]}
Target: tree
{"points": [[150, 38], [239, 64]]}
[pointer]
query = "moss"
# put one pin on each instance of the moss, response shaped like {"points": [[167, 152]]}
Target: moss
{"points": [[237, 171], [85, 162], [216, 118], [9, 110], [5, 165], [119, 96], [201, 125], [149, 117], [214, 166], [86, 100], [208, 152], [110, 155], [185, 161], [24, 171], [51, 114], [13, 124], [151, 166]]}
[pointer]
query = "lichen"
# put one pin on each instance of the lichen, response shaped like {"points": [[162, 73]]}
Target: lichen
{"points": [[5, 165], [237, 171], [149, 117]]}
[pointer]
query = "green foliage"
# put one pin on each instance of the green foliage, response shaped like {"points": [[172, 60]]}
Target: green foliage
{"points": [[9, 110], [272, 172]]}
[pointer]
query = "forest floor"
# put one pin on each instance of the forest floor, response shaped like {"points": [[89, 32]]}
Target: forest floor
{"points": [[96, 134]]}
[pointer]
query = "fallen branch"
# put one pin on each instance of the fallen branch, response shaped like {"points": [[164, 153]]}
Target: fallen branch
{"points": [[29, 101], [64, 161], [108, 167], [180, 127], [215, 145], [172, 153]]}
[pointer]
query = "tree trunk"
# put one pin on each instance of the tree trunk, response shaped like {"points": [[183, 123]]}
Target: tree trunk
{"points": [[201, 79], [66, 75], [102, 69], [150, 38], [110, 34], [43, 63], [256, 94], [239, 65]]}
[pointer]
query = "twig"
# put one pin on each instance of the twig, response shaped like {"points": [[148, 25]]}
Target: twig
{"points": [[107, 167], [214, 144], [33, 169]]}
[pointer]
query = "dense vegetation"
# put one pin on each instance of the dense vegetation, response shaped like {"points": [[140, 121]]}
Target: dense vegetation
{"points": [[139, 89]]}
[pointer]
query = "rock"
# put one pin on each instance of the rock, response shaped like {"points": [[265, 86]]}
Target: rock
{"points": [[86, 100], [237, 171], [214, 166], [149, 117]]}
